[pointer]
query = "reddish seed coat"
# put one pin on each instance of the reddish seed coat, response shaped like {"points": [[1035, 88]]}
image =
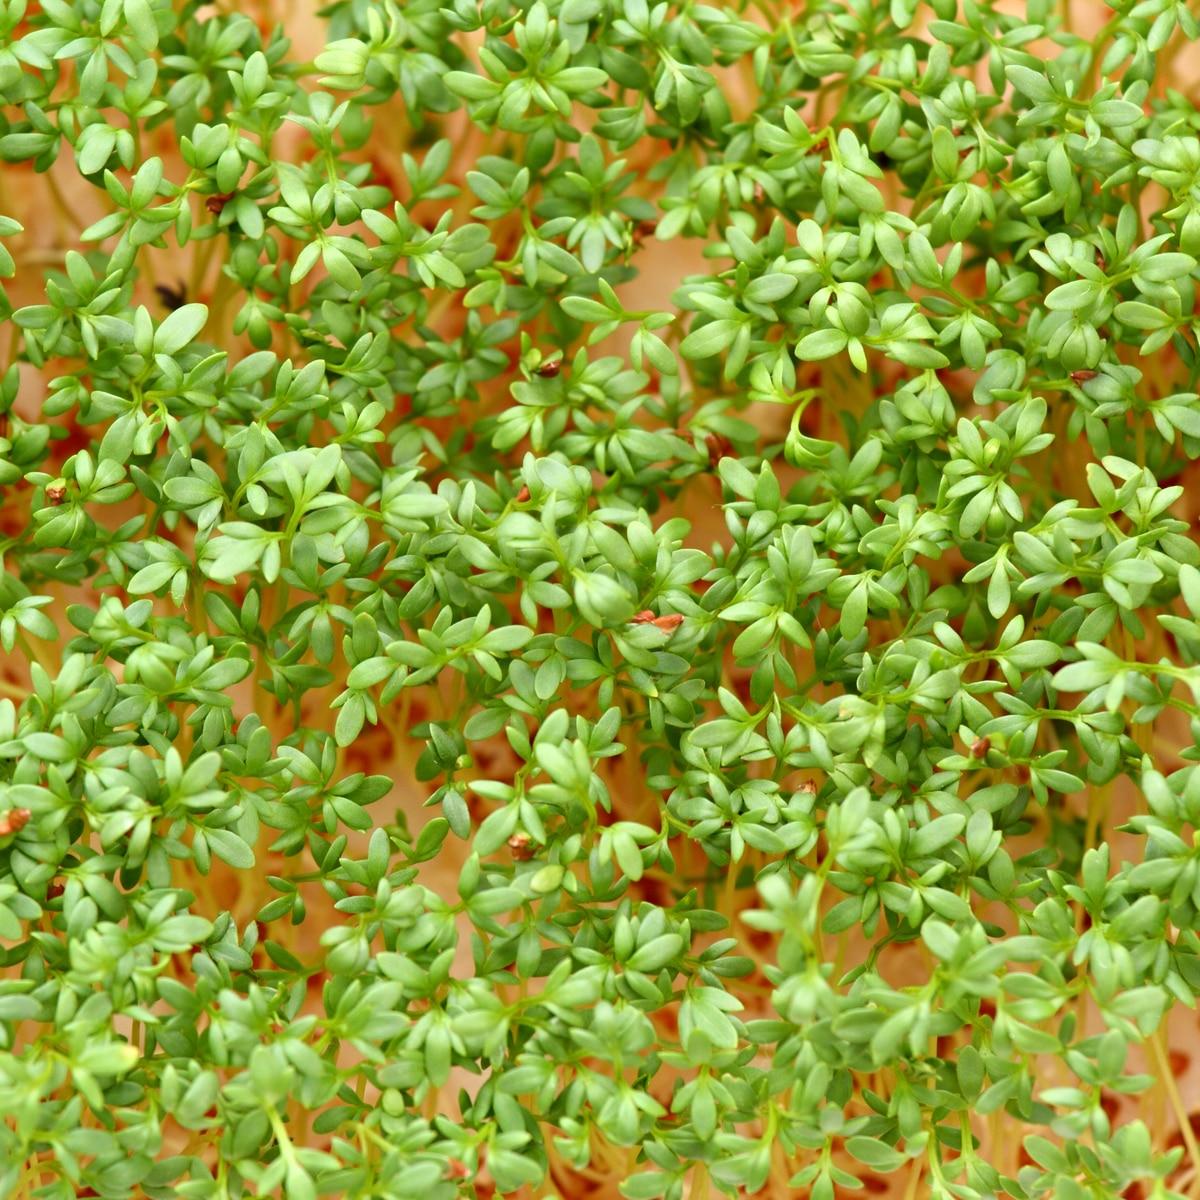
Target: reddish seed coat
{"points": [[668, 623], [718, 448], [14, 820]]}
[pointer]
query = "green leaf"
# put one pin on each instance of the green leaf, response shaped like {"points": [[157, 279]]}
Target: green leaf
{"points": [[710, 339], [180, 329], [657, 953], [821, 343]]}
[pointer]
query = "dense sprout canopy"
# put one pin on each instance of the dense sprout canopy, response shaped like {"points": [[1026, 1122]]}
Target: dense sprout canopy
{"points": [[598, 597]]}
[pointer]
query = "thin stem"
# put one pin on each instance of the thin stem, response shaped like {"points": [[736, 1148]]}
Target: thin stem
{"points": [[1167, 1078]]}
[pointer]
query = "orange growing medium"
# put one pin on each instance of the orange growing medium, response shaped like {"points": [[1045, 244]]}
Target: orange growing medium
{"points": [[599, 599]]}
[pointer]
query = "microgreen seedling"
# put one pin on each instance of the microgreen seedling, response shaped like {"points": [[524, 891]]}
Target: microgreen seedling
{"points": [[598, 598]]}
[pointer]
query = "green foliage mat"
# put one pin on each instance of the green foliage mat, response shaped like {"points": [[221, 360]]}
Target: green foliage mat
{"points": [[849, 836]]}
